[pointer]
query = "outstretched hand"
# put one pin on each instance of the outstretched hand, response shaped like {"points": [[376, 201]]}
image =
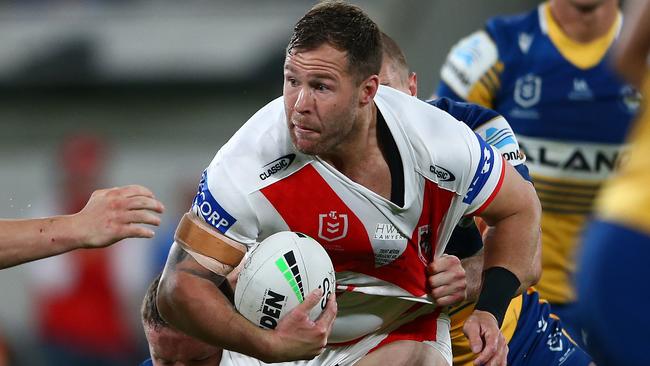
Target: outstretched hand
{"points": [[300, 338], [485, 339], [116, 213]]}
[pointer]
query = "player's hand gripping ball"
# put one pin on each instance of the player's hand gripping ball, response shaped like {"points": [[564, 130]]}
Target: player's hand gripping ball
{"points": [[277, 276]]}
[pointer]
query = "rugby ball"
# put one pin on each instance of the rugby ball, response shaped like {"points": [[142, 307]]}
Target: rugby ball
{"points": [[277, 276]]}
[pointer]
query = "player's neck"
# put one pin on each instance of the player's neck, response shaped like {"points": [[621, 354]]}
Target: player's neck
{"points": [[360, 157], [584, 26], [353, 153]]}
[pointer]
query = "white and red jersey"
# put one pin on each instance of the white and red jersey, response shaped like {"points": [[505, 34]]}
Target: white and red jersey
{"points": [[258, 184]]}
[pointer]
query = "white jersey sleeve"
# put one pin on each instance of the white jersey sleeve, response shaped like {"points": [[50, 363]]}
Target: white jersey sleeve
{"points": [[447, 152], [487, 177], [224, 206]]}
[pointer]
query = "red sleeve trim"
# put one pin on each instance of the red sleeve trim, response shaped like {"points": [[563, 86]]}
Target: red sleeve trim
{"points": [[494, 192]]}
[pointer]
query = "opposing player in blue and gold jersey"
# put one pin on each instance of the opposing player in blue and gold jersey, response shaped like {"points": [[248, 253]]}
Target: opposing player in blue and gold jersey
{"points": [[547, 73], [534, 335], [613, 272]]}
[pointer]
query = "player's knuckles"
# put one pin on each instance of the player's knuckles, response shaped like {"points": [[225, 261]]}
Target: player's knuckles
{"points": [[141, 190], [117, 203], [321, 331], [115, 192], [136, 190], [452, 260]]}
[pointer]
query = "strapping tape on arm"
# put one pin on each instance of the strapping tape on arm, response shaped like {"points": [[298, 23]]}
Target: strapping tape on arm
{"points": [[197, 236]]}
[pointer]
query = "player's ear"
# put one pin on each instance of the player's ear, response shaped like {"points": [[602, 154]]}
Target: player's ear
{"points": [[413, 84], [368, 89]]}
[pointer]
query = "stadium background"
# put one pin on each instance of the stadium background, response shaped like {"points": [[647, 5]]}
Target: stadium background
{"points": [[163, 84]]}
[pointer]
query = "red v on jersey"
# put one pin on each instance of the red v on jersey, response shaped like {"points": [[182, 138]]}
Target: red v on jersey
{"points": [[309, 205]]}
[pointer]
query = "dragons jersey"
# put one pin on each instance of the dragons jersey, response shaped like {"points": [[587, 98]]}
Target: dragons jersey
{"points": [[258, 184], [569, 111]]}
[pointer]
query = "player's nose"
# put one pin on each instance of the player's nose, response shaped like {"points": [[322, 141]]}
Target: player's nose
{"points": [[304, 101]]}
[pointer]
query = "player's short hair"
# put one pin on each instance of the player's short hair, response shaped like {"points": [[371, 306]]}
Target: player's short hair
{"points": [[345, 27], [149, 310], [393, 52]]}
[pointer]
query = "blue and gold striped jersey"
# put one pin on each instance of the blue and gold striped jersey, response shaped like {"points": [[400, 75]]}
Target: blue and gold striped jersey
{"points": [[570, 113]]}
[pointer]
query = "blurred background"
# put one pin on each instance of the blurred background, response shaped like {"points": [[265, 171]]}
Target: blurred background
{"points": [[100, 93]]}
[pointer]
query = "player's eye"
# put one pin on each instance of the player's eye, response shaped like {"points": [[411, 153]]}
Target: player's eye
{"points": [[292, 81]]}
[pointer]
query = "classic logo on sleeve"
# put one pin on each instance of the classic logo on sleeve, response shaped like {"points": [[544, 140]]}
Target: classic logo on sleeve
{"points": [[207, 206], [277, 165], [482, 173], [442, 174]]}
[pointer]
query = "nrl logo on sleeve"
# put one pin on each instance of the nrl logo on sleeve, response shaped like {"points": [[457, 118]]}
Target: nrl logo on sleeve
{"points": [[276, 166], [442, 174]]}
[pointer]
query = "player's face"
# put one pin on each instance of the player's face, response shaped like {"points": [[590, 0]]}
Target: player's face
{"points": [[321, 99], [169, 347]]}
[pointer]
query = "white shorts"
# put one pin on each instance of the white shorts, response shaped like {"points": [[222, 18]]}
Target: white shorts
{"points": [[416, 325]]}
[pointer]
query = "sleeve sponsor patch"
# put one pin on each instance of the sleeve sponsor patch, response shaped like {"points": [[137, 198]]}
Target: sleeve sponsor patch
{"points": [[483, 172], [207, 206], [499, 134], [468, 61]]}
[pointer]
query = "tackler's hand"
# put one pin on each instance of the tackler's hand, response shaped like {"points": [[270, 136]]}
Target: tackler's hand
{"points": [[485, 339], [116, 213]]}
